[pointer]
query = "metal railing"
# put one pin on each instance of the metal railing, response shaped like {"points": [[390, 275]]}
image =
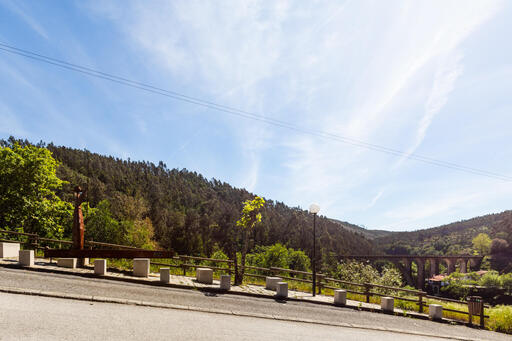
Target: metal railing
{"points": [[34, 241], [323, 282]]}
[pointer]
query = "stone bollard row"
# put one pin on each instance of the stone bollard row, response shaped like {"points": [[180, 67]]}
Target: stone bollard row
{"points": [[67, 263], [165, 275], [282, 289], [9, 250], [100, 267], [225, 282], [387, 304], [141, 267], [340, 297], [435, 312], [26, 257], [271, 282], [204, 275]]}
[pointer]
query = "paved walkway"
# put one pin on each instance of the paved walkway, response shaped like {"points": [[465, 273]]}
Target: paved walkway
{"points": [[43, 264]]}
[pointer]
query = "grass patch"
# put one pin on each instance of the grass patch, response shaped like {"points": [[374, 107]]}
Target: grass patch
{"points": [[500, 319]]}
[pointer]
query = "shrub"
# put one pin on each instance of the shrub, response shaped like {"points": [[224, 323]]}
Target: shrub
{"points": [[500, 319], [506, 282], [490, 279], [456, 290]]}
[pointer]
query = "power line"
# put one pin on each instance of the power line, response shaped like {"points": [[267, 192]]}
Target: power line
{"points": [[245, 114]]}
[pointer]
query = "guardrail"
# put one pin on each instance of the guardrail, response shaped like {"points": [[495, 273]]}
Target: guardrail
{"points": [[367, 289], [40, 243], [185, 262]]}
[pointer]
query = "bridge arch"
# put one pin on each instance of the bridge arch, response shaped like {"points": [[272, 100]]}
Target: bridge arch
{"points": [[404, 264]]}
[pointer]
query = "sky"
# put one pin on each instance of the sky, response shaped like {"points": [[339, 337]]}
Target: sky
{"points": [[428, 78]]}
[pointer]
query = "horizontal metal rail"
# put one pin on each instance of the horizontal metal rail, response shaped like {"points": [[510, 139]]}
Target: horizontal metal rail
{"points": [[125, 251]]}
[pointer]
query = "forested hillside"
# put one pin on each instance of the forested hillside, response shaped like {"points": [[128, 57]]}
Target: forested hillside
{"points": [[454, 238], [187, 212], [369, 234], [147, 205]]}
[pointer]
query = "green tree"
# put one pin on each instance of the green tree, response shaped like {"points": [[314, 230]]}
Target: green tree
{"points": [[28, 182], [298, 260], [506, 282], [101, 226], [491, 279], [251, 215], [139, 233], [482, 244]]}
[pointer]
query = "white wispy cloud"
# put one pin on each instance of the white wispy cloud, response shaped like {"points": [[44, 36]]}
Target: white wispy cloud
{"points": [[450, 203], [19, 9], [375, 199], [449, 65], [373, 71]]}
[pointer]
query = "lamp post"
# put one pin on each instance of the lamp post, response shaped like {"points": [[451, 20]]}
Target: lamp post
{"points": [[314, 209]]}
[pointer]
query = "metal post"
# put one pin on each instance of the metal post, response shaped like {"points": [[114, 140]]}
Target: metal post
{"points": [[482, 316], [420, 303], [314, 254]]}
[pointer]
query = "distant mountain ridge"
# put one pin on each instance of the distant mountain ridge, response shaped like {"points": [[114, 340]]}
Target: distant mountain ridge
{"points": [[369, 234], [453, 238]]}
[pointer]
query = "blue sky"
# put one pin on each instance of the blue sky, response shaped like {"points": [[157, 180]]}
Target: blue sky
{"points": [[427, 77]]}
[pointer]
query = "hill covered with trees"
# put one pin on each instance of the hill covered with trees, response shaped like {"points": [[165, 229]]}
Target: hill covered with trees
{"points": [[147, 205], [454, 238], [170, 208]]}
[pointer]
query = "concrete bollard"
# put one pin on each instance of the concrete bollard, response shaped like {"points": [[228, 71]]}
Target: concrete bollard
{"points": [[165, 275], [225, 282], [282, 290], [340, 297], [26, 257], [435, 311], [9, 250], [271, 282], [67, 263], [100, 267], [204, 275], [387, 304], [141, 267]]}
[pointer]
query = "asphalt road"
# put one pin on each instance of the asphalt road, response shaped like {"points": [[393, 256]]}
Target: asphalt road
{"points": [[158, 318], [43, 318]]}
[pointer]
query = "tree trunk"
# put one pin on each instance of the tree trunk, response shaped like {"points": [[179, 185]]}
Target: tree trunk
{"points": [[240, 270], [238, 280], [244, 253]]}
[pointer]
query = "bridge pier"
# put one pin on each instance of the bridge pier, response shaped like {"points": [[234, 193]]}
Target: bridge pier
{"points": [[434, 267], [475, 263], [463, 266], [451, 265], [404, 266], [420, 281]]}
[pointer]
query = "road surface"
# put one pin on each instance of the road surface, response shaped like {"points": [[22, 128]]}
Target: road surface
{"points": [[48, 314]]}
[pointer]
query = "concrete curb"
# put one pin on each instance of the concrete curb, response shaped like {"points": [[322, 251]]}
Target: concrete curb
{"points": [[219, 291], [101, 299]]}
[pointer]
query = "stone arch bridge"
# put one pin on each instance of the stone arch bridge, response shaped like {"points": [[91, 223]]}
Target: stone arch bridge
{"points": [[404, 262]]}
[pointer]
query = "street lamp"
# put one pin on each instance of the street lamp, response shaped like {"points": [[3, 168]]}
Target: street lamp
{"points": [[314, 209]]}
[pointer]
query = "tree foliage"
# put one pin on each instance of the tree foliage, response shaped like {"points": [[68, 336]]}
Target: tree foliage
{"points": [[279, 256], [188, 213], [28, 185], [452, 239], [498, 246], [482, 244], [251, 215]]}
